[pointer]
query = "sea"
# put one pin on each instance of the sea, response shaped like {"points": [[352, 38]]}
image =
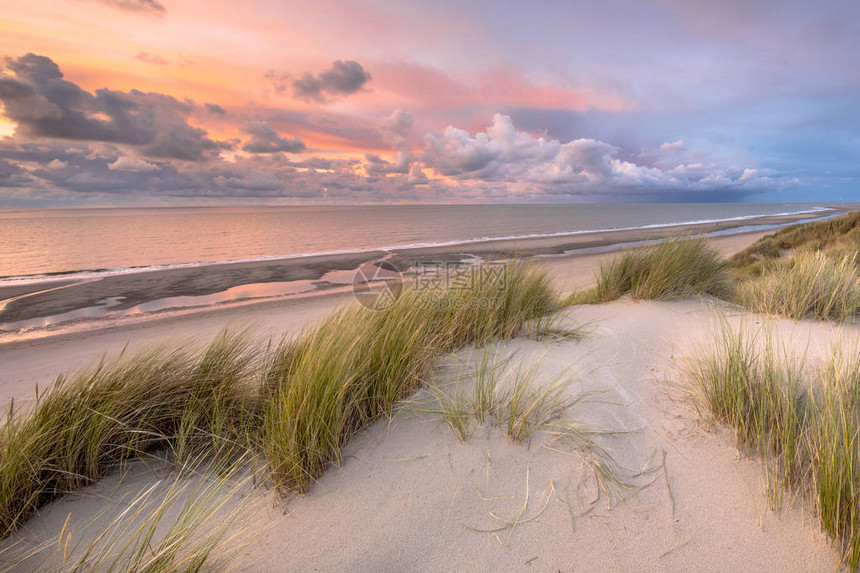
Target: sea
{"points": [[50, 244]]}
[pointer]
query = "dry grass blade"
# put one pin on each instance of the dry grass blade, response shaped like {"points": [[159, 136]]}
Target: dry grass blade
{"points": [[803, 424]]}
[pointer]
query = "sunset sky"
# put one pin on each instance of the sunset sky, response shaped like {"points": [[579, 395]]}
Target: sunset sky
{"points": [[152, 102]]}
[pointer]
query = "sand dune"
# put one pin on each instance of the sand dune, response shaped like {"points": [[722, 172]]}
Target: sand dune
{"points": [[411, 497]]}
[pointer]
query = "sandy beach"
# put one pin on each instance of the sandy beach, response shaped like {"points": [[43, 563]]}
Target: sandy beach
{"points": [[29, 363], [304, 276], [409, 496]]}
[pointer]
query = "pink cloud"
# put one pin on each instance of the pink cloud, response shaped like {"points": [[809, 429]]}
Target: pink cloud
{"points": [[423, 87]]}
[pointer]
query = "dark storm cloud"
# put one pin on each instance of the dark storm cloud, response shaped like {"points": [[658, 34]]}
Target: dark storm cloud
{"points": [[44, 105], [341, 79], [264, 139], [152, 7]]}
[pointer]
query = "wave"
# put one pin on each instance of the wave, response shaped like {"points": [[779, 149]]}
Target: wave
{"points": [[101, 273]]}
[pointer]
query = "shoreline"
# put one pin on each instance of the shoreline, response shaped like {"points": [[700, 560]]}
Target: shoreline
{"points": [[38, 360], [25, 282], [119, 301]]}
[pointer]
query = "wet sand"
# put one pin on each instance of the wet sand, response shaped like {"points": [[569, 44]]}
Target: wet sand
{"points": [[37, 362], [127, 291]]}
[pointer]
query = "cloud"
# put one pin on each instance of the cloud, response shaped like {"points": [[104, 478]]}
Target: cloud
{"points": [[498, 152], [153, 59], [749, 175], [279, 80], [252, 180], [397, 128], [504, 155], [673, 146], [375, 165], [417, 176], [126, 163], [214, 108], [264, 139], [44, 105], [12, 176], [342, 79], [150, 7]]}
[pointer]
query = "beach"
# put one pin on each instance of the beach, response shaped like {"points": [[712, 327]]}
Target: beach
{"points": [[410, 496], [44, 307], [37, 360]]}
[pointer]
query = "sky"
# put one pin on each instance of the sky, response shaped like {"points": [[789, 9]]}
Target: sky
{"points": [[202, 102]]}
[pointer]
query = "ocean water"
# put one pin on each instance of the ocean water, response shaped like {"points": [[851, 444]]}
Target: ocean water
{"points": [[36, 243]]}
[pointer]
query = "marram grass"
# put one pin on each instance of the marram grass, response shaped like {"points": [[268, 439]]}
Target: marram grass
{"points": [[296, 404], [809, 284], [672, 269], [805, 271], [804, 423], [519, 403], [89, 423], [835, 238], [188, 520], [351, 369]]}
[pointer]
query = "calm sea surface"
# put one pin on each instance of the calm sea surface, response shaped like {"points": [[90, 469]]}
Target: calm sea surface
{"points": [[35, 242]]}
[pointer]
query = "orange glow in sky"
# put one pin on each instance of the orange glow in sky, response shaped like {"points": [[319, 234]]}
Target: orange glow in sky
{"points": [[214, 98]]}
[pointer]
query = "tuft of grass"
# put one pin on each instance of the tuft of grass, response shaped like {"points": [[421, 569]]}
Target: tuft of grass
{"points": [[183, 522], [529, 406], [674, 268], [837, 236], [348, 371], [804, 425], [809, 284], [454, 409], [485, 397], [757, 392], [550, 327], [87, 424], [338, 378], [514, 399]]}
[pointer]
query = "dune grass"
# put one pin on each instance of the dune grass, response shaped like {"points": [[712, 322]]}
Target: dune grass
{"points": [[803, 423], [189, 520], [296, 404], [809, 284], [512, 398], [834, 238], [351, 369], [675, 268], [804, 271], [87, 424], [515, 400]]}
